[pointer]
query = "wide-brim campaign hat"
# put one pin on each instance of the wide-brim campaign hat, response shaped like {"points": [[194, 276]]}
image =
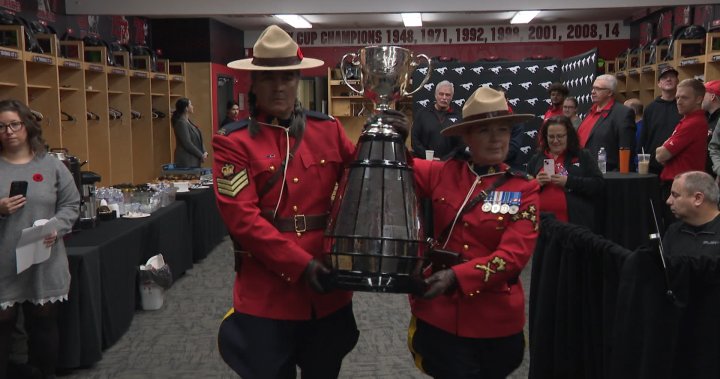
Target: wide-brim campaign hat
{"points": [[484, 106], [275, 50]]}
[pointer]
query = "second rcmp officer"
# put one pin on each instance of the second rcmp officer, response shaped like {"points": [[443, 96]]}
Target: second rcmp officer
{"points": [[469, 323], [275, 175]]}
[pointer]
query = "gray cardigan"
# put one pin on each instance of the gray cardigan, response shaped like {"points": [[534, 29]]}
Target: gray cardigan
{"points": [[51, 193], [189, 147]]}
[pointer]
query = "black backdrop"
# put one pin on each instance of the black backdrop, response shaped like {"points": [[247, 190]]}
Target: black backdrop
{"points": [[525, 84]]}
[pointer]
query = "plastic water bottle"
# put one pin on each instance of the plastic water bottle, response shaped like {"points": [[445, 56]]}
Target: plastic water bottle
{"points": [[602, 160]]}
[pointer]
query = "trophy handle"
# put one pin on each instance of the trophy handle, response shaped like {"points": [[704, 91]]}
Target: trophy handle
{"points": [[427, 74], [342, 71]]}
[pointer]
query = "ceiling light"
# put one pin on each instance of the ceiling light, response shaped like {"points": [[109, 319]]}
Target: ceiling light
{"points": [[297, 22], [523, 17], [412, 19]]}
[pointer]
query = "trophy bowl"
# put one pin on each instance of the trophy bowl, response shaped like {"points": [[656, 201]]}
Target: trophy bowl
{"points": [[385, 73], [374, 234]]}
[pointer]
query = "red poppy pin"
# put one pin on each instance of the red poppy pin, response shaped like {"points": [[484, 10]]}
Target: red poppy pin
{"points": [[299, 54], [38, 177]]}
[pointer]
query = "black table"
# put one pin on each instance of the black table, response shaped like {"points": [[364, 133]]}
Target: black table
{"points": [[81, 316], [106, 260], [208, 228], [624, 215]]}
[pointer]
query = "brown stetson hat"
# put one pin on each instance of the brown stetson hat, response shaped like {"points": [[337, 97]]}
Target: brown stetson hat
{"points": [[484, 106], [275, 50]]}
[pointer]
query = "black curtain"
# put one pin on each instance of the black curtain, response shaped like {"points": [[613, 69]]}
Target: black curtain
{"points": [[598, 310]]}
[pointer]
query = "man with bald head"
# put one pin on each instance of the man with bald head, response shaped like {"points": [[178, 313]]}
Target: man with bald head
{"points": [[694, 201]]}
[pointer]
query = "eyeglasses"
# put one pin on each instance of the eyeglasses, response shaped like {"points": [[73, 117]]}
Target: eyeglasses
{"points": [[12, 125], [598, 89], [558, 137]]}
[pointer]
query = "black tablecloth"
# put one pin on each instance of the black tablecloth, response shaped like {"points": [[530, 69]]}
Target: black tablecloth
{"points": [[208, 228], [624, 214], [80, 317], [122, 245]]}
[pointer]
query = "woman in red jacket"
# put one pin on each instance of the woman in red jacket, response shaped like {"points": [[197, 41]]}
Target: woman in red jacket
{"points": [[469, 321]]}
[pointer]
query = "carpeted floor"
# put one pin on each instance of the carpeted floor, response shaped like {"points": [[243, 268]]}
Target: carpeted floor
{"points": [[179, 340]]}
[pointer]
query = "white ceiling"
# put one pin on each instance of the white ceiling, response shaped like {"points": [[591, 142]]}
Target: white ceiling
{"points": [[389, 20], [338, 14]]}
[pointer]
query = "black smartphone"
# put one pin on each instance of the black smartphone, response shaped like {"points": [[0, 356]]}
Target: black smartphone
{"points": [[18, 187]]}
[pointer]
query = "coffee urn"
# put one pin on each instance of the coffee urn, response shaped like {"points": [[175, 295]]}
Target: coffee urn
{"points": [[88, 204]]}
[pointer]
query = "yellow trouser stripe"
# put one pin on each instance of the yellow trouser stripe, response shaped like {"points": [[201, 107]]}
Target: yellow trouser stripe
{"points": [[411, 334], [231, 311]]}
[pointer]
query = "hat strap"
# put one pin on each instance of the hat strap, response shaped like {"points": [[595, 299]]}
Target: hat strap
{"points": [[276, 62], [483, 116]]}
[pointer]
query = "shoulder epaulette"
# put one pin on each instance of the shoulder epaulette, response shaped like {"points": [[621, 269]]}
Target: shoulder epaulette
{"points": [[233, 127], [318, 115], [519, 174]]}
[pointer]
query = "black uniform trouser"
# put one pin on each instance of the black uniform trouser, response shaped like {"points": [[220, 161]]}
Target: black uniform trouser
{"points": [[257, 347], [446, 356]]}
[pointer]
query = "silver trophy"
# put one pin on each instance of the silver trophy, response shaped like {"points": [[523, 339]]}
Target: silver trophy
{"points": [[374, 235]]}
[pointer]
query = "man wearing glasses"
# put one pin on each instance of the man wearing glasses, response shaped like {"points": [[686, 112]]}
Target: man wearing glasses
{"points": [[608, 124]]}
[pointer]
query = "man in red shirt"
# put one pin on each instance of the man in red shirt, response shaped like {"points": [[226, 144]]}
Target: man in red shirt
{"points": [[686, 148], [558, 92]]}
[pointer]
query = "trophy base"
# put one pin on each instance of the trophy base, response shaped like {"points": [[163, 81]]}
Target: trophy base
{"points": [[365, 282]]}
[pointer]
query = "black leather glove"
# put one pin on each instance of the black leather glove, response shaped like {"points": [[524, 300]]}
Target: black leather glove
{"points": [[315, 273], [397, 120], [443, 281]]}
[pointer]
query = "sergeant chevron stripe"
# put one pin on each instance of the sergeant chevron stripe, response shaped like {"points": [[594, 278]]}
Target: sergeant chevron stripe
{"points": [[231, 187]]}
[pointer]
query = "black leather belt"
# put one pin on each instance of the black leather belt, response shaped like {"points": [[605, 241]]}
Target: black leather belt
{"points": [[297, 223]]}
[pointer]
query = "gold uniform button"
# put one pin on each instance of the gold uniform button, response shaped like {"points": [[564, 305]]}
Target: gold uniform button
{"points": [[478, 291], [322, 162], [442, 199], [500, 218], [465, 224], [295, 180], [271, 168], [299, 234], [465, 247], [471, 294], [295, 208]]}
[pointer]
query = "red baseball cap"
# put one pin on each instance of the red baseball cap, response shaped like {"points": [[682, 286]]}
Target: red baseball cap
{"points": [[713, 87]]}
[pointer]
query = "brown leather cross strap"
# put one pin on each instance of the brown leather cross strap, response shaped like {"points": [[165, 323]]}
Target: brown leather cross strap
{"points": [[297, 223], [274, 178], [444, 235]]}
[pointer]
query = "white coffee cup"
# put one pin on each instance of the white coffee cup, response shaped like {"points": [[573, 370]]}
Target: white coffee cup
{"points": [[429, 155], [643, 163]]}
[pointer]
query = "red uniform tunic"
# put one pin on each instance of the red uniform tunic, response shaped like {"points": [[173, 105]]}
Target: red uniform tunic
{"points": [[489, 301], [270, 283], [688, 146]]}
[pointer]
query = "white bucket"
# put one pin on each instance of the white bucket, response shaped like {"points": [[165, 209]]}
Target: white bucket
{"points": [[152, 296]]}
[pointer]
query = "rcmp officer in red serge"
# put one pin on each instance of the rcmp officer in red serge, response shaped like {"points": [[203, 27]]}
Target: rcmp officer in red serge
{"points": [[275, 174], [469, 322]]}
